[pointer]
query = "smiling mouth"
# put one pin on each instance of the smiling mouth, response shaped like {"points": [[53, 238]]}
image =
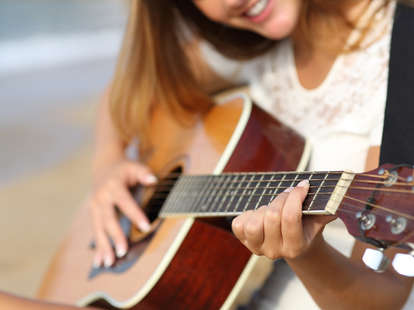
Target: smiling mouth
{"points": [[257, 9]]}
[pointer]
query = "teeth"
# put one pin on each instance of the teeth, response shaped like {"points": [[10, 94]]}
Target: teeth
{"points": [[257, 9]]}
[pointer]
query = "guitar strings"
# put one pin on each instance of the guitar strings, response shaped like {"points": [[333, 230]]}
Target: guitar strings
{"points": [[289, 180], [392, 211], [347, 208], [177, 175], [166, 191], [220, 193], [377, 189], [380, 207]]}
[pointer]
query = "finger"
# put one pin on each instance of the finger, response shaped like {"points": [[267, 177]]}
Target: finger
{"points": [[237, 227], [272, 228], [291, 224], [238, 224], [114, 231], [254, 230], [103, 249], [130, 208], [136, 172]]}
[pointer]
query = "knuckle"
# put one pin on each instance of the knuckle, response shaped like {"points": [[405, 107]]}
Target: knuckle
{"points": [[252, 228], [271, 254], [291, 218], [272, 215], [252, 248]]}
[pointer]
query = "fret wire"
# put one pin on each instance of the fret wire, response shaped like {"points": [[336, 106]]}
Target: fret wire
{"points": [[317, 191], [261, 196], [210, 186], [294, 180], [200, 189], [184, 195], [273, 195], [278, 187], [238, 201], [219, 187], [319, 172], [266, 187], [177, 202], [226, 180], [252, 194], [232, 196], [177, 192], [244, 192], [326, 186]]}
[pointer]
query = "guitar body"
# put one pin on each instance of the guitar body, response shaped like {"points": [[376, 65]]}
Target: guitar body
{"points": [[185, 263]]}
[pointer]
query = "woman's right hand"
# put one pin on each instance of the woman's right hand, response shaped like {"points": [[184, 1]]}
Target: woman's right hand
{"points": [[110, 191]]}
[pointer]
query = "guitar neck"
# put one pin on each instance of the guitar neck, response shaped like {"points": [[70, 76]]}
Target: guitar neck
{"points": [[233, 193]]}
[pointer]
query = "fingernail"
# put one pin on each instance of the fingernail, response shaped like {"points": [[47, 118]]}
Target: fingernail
{"points": [[97, 262], [303, 183], [150, 179], [288, 190], [144, 226], [108, 261], [120, 251]]}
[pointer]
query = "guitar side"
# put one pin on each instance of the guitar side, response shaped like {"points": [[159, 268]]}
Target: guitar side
{"points": [[188, 263]]}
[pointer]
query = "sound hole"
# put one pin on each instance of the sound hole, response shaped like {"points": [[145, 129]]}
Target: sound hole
{"points": [[152, 199]]}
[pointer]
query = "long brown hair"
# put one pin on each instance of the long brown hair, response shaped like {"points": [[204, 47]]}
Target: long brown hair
{"points": [[153, 67]]}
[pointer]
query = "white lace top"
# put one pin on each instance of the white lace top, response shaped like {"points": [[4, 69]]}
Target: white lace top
{"points": [[341, 118]]}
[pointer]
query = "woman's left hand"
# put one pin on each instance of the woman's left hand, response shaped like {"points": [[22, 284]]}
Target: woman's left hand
{"points": [[279, 230]]}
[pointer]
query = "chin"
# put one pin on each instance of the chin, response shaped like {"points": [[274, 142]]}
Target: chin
{"points": [[281, 24]]}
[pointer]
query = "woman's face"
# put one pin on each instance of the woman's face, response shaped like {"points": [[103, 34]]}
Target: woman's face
{"points": [[274, 19]]}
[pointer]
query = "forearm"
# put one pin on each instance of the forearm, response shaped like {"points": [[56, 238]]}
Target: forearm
{"points": [[336, 282], [8, 301]]}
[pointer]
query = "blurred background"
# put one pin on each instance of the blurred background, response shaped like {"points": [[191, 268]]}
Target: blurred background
{"points": [[56, 58]]}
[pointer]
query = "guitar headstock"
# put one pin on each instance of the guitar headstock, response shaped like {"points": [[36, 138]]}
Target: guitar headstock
{"points": [[378, 208]]}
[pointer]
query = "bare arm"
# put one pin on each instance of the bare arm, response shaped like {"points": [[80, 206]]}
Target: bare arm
{"points": [[333, 280], [354, 285]]}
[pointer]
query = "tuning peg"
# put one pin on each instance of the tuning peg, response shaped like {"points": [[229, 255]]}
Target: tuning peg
{"points": [[404, 264], [375, 259]]}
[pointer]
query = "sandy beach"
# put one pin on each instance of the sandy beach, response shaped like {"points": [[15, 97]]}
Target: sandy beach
{"points": [[37, 210]]}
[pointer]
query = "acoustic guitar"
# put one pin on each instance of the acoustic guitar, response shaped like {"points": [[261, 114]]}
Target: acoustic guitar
{"points": [[227, 162]]}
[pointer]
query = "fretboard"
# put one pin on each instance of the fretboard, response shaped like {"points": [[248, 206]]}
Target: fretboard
{"points": [[233, 193]]}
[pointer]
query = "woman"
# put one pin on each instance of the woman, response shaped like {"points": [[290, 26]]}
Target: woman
{"points": [[304, 60]]}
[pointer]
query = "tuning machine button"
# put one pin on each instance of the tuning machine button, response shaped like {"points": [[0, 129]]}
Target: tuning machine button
{"points": [[375, 259], [404, 264]]}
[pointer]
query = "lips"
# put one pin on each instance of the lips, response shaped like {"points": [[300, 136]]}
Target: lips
{"points": [[257, 9]]}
